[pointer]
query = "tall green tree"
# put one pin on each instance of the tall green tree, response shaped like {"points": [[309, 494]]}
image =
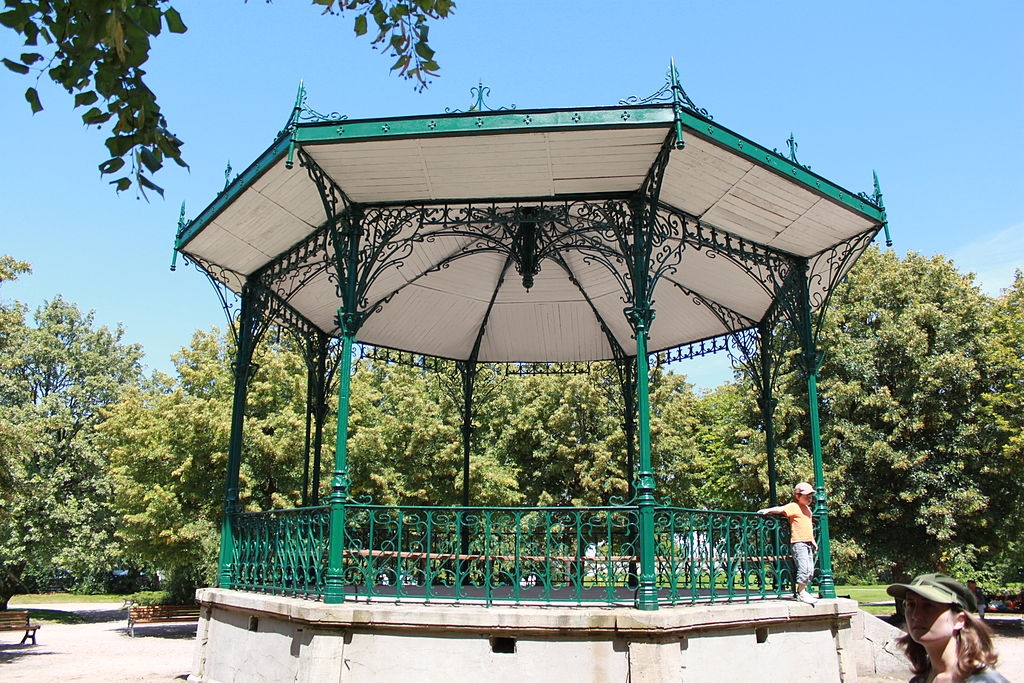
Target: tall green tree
{"points": [[906, 432], [55, 378], [97, 51], [168, 446], [557, 432], [405, 442], [13, 439], [1005, 400]]}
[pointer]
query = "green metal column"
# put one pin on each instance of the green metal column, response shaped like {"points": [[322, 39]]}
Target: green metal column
{"points": [[243, 368], [767, 401], [641, 315], [647, 592], [349, 321], [334, 591], [812, 362]]}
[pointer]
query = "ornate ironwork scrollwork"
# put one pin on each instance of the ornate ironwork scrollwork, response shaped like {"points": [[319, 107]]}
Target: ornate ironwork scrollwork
{"points": [[705, 347], [670, 91], [480, 91]]}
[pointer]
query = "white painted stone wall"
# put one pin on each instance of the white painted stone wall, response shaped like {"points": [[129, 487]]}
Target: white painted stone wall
{"points": [[248, 638]]}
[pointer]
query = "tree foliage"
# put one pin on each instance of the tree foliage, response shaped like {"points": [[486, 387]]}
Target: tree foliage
{"points": [[907, 431], [168, 449], [55, 379], [96, 50]]}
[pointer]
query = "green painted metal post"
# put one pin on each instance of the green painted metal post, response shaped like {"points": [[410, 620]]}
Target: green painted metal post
{"points": [[242, 369], [334, 590], [812, 361], [647, 592], [348, 322], [767, 401]]}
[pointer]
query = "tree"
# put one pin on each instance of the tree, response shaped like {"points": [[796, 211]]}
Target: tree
{"points": [[905, 425], [168, 447], [1005, 400], [55, 378], [13, 440], [405, 443], [97, 49]]}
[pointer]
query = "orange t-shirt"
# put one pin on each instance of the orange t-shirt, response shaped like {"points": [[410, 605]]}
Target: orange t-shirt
{"points": [[800, 526]]}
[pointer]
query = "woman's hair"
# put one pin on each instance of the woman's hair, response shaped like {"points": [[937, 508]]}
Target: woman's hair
{"points": [[974, 648]]}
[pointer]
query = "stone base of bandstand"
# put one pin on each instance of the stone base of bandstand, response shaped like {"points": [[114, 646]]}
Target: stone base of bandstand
{"points": [[251, 638]]}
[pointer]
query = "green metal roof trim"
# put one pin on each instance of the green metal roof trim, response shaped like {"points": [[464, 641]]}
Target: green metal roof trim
{"points": [[523, 121], [473, 123]]}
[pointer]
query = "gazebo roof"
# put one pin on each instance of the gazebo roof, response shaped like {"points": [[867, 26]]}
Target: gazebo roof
{"points": [[729, 207]]}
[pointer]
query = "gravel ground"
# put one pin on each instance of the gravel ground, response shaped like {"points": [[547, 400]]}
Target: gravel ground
{"points": [[100, 649]]}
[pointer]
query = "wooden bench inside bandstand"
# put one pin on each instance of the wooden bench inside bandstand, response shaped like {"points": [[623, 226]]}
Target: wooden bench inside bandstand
{"points": [[17, 620], [158, 614]]}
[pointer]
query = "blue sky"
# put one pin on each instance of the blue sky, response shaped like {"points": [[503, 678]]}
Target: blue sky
{"points": [[928, 94]]}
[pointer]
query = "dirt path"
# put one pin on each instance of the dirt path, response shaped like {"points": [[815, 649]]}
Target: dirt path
{"points": [[100, 650]]}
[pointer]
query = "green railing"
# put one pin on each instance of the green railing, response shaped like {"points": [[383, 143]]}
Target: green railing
{"points": [[283, 552], [513, 555], [720, 556]]}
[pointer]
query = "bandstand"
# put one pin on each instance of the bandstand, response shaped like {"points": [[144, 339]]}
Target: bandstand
{"points": [[553, 238]]}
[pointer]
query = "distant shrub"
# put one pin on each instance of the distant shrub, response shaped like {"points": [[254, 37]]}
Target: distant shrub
{"points": [[152, 598]]}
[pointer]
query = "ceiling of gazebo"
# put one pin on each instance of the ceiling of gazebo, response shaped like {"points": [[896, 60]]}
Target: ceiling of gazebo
{"points": [[449, 297]]}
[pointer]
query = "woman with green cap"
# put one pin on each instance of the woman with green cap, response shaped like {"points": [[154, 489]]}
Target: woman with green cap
{"points": [[945, 642]]}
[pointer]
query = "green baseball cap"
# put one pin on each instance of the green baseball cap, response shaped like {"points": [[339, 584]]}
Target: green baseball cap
{"points": [[937, 588]]}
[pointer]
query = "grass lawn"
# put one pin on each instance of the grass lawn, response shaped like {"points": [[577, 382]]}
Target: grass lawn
{"points": [[53, 616], [870, 594], [52, 598]]}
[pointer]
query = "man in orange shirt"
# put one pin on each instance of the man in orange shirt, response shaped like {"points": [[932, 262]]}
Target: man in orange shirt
{"points": [[801, 536]]}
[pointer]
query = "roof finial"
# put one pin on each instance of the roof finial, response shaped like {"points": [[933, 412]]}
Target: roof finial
{"points": [[480, 92], [293, 120], [177, 235], [878, 201]]}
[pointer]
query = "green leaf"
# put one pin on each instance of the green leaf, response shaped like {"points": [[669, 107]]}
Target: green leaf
{"points": [[149, 20], [401, 64], [15, 66], [424, 51], [174, 22], [118, 145], [85, 98], [146, 182], [16, 18], [121, 184], [95, 117], [111, 165], [150, 160], [33, 100]]}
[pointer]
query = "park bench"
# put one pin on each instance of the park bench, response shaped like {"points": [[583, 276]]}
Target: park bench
{"points": [[18, 620], [159, 614]]}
